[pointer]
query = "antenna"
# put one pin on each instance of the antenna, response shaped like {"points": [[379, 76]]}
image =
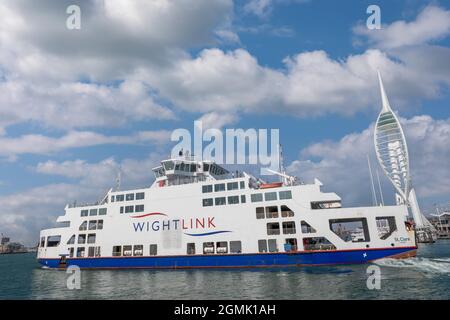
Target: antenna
{"points": [[119, 178], [379, 187], [374, 196], [281, 162]]}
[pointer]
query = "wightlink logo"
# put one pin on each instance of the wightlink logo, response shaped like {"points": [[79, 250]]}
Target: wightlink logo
{"points": [[191, 227], [237, 146]]}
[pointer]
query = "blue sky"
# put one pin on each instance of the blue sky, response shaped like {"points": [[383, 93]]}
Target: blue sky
{"points": [[77, 104]]}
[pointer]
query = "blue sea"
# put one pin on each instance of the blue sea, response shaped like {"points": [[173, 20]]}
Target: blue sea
{"points": [[425, 277]]}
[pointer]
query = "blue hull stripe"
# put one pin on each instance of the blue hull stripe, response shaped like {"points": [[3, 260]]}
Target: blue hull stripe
{"points": [[233, 260]]}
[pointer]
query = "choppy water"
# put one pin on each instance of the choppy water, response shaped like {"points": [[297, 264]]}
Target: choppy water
{"points": [[424, 277]]}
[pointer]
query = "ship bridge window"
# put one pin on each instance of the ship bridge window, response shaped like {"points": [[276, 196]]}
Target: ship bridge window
{"points": [[117, 251], [53, 241], [222, 247], [219, 187], [112, 198], [93, 212], [286, 212], [260, 213], [102, 211], [81, 252], [100, 225], [207, 202], [235, 246], [306, 228], [317, 243], [168, 165], [81, 239], [325, 205], [285, 195], [257, 197], [270, 196], [273, 228], [153, 249], [220, 201], [139, 208], [140, 196], [190, 248], [233, 199], [243, 200], [129, 209], [208, 247], [84, 213], [271, 212], [351, 230], [289, 227], [193, 167], [242, 184], [385, 226], [232, 186], [91, 238], [138, 250], [130, 197], [120, 197], [206, 167], [207, 188], [83, 226], [71, 240]]}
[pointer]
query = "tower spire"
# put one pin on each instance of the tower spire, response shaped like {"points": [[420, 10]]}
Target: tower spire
{"points": [[384, 98]]}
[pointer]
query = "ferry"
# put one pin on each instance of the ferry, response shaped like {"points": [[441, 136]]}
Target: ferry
{"points": [[197, 214]]}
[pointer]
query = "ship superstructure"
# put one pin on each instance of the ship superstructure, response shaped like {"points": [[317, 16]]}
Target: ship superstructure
{"points": [[197, 214]]}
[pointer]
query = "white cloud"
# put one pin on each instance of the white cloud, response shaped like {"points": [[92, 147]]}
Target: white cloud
{"points": [[217, 120], [40, 144], [432, 23], [25, 213], [263, 8], [342, 165]]}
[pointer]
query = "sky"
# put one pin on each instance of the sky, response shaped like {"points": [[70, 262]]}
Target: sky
{"points": [[77, 105]]}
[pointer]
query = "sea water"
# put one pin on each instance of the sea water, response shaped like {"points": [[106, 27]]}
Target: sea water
{"points": [[425, 277]]}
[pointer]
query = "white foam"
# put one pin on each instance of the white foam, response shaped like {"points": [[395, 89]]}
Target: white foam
{"points": [[435, 266]]}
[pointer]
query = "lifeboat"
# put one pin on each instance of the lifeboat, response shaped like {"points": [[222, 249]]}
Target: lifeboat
{"points": [[271, 185]]}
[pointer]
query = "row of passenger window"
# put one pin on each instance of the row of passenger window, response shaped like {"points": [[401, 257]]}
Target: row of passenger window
{"points": [[220, 247], [132, 209], [273, 228], [219, 187], [81, 252], [220, 201], [271, 245], [271, 196], [136, 250], [128, 197], [82, 238], [93, 225], [93, 212], [272, 212]]}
